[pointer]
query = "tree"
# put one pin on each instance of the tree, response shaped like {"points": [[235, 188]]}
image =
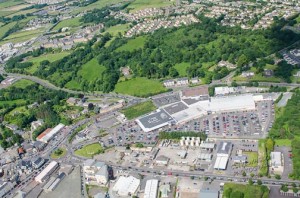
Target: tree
{"points": [[284, 188], [295, 190], [244, 174], [251, 174], [250, 181], [277, 176], [259, 182], [237, 194], [173, 72], [242, 60], [90, 106], [269, 145], [227, 192]]}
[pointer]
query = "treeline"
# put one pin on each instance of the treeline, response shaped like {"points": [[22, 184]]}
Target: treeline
{"points": [[178, 134], [287, 125], [83, 3], [35, 6]]}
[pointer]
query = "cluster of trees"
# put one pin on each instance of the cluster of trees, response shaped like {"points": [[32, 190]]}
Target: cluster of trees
{"points": [[11, 19], [178, 134], [8, 138], [46, 99], [16, 63], [261, 191], [103, 16], [35, 6], [284, 71]]}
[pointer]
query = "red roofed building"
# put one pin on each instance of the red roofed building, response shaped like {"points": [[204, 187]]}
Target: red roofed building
{"points": [[39, 138]]}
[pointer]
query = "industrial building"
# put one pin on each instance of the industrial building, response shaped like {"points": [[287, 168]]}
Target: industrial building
{"points": [[46, 172], [162, 160], [151, 188], [223, 153], [5, 187], [47, 135], [126, 186]]}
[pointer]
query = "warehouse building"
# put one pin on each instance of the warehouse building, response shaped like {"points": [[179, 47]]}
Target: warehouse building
{"points": [[151, 188], [126, 186], [223, 153], [44, 175]]}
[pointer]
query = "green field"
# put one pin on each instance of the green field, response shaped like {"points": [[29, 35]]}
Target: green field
{"points": [[181, 68], [138, 110], [22, 36], [71, 23], [133, 44], [252, 158], [73, 85], [249, 191], [6, 27], [50, 57], [90, 150], [55, 156], [23, 83], [97, 5], [92, 70], [10, 3], [142, 4], [283, 142], [11, 102], [114, 30], [140, 86]]}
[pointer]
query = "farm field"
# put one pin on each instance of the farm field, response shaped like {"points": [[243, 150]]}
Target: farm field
{"points": [[6, 27], [138, 110], [133, 44], [71, 23], [51, 57], [91, 70], [142, 4], [97, 5], [89, 150], [181, 68], [140, 86], [10, 3], [114, 30], [22, 36]]}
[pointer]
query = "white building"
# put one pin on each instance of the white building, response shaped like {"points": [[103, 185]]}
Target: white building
{"points": [[276, 163], [126, 186], [95, 173], [46, 172], [52, 133], [151, 188]]}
